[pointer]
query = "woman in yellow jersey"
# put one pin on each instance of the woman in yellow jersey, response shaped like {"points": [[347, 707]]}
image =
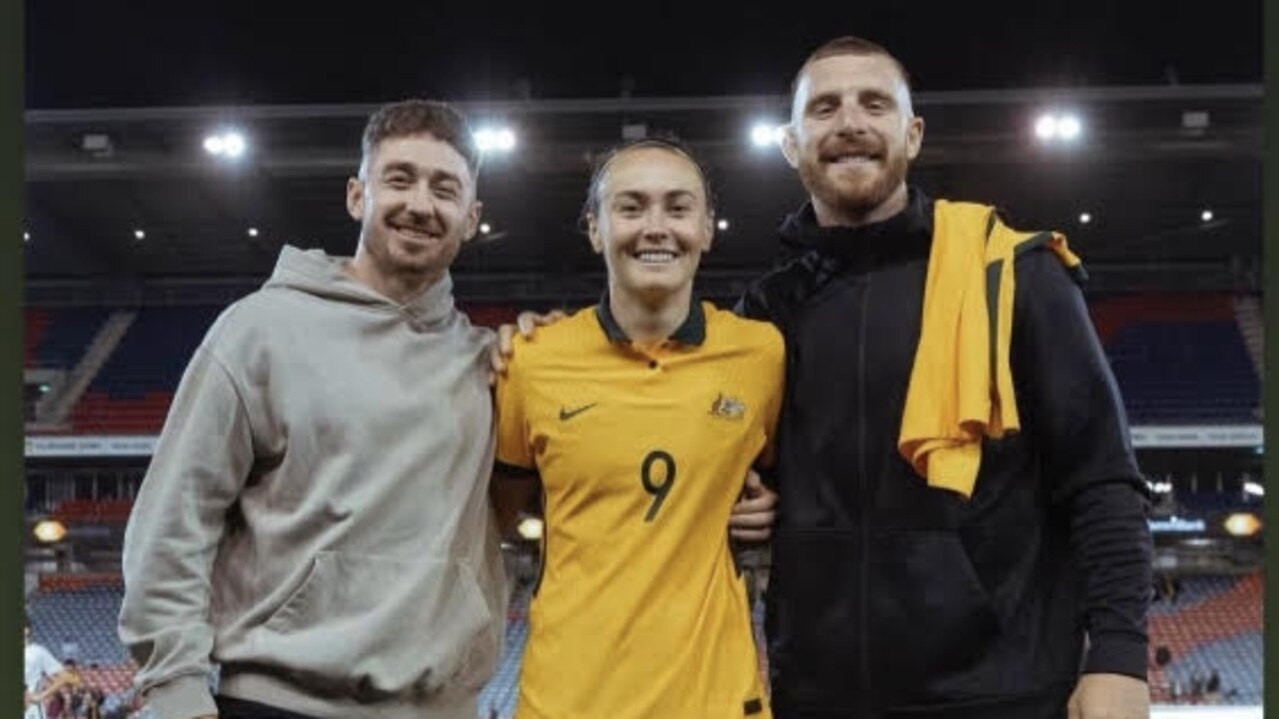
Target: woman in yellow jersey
{"points": [[641, 415]]}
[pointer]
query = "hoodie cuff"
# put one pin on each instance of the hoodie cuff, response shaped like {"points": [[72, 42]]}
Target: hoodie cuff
{"points": [[1117, 654], [182, 698]]}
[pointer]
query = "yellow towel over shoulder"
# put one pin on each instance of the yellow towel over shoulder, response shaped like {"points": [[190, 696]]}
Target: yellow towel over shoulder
{"points": [[961, 385]]}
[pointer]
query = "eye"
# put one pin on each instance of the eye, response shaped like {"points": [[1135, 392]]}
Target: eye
{"points": [[627, 209], [446, 192], [879, 104], [399, 182], [822, 109]]}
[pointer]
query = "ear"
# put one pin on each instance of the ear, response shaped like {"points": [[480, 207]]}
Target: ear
{"points": [[709, 232], [790, 145], [914, 136], [472, 220], [593, 234], [355, 198]]}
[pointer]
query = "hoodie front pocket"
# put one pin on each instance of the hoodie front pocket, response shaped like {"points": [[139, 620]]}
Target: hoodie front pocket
{"points": [[376, 627], [929, 612]]}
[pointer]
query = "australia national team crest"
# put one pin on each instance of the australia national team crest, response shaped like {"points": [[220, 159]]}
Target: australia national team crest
{"points": [[727, 407]]}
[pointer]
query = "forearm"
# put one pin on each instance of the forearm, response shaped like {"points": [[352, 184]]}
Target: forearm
{"points": [[1111, 548]]}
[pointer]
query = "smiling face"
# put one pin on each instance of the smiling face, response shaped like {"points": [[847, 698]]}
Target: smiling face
{"points": [[651, 221], [415, 202], [852, 136]]}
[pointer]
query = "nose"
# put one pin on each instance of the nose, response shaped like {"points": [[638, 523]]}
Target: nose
{"points": [[655, 224], [852, 118], [419, 200]]}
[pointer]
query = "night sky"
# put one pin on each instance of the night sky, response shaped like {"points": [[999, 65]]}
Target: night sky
{"points": [[87, 54]]}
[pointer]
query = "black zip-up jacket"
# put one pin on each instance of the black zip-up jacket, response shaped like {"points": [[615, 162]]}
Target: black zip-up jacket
{"points": [[888, 598]]}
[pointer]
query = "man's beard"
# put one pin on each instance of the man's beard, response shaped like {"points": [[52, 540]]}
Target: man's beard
{"points": [[857, 199]]}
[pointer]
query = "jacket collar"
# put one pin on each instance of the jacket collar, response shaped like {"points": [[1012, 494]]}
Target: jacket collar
{"points": [[902, 237]]}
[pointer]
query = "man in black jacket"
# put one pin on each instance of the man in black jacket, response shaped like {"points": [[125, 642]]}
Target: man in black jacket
{"points": [[888, 597]]}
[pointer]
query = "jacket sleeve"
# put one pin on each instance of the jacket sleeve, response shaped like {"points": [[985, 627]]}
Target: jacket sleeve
{"points": [[201, 461], [1072, 408], [753, 304]]}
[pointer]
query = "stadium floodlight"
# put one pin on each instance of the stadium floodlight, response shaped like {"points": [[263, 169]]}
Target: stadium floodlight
{"points": [[1161, 487], [489, 139], [49, 531], [1243, 524], [1254, 489], [766, 134], [485, 228], [1206, 215], [1069, 127], [1085, 218], [722, 224], [1046, 127], [229, 144], [253, 232], [234, 144], [139, 235], [26, 236], [1059, 127], [531, 528]]}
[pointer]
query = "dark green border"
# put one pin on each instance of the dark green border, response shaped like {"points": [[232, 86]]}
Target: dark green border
{"points": [[11, 194], [1270, 375]]}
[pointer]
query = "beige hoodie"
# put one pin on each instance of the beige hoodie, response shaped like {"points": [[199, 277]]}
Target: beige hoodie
{"points": [[315, 518]]}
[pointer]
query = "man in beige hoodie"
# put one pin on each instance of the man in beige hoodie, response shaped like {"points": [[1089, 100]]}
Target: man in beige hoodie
{"points": [[315, 518]]}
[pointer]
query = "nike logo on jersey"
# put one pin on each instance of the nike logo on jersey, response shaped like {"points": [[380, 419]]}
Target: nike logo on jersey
{"points": [[567, 414]]}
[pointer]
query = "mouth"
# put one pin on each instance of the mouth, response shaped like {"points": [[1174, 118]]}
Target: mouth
{"points": [[415, 234], [852, 158], [655, 257]]}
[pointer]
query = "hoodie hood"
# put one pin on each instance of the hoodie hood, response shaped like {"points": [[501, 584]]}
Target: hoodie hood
{"points": [[316, 273]]}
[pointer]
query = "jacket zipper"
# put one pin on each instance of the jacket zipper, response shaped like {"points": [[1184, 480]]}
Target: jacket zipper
{"points": [[864, 510]]}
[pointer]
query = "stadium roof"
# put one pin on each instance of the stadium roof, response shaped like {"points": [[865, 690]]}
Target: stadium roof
{"points": [[120, 103]]}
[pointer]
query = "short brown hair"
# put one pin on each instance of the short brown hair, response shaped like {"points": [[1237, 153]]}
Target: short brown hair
{"points": [[847, 45], [414, 117]]}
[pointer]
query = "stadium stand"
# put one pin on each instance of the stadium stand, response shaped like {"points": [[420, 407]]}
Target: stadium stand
{"points": [[1175, 372], [56, 339], [1211, 624], [1179, 359], [132, 392], [502, 690], [86, 616]]}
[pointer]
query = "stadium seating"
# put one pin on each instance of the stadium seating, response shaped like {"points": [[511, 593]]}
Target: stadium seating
{"points": [[1115, 312], [57, 339], [502, 690], [132, 392], [35, 324], [1179, 372], [1214, 623], [93, 511], [86, 617], [1178, 358]]}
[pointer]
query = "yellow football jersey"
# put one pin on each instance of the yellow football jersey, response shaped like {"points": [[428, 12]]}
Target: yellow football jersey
{"points": [[640, 611]]}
